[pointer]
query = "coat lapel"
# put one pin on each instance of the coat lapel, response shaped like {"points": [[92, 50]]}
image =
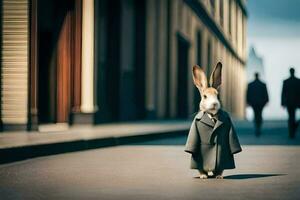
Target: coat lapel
{"points": [[218, 123], [204, 118], [204, 121]]}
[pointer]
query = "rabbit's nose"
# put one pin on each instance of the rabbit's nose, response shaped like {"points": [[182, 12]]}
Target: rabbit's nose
{"points": [[215, 104]]}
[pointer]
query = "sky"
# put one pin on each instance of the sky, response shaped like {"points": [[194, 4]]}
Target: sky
{"points": [[274, 31]]}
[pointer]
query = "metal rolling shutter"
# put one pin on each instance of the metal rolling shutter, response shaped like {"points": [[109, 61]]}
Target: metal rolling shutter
{"points": [[14, 72]]}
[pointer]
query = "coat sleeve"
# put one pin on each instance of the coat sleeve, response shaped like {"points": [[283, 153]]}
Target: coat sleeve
{"points": [[283, 95], [234, 143], [248, 95], [298, 92], [193, 140], [266, 94]]}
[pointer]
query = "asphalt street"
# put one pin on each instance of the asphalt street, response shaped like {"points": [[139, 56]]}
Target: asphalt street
{"points": [[158, 170]]}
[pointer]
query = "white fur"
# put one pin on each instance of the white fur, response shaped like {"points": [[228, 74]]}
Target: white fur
{"points": [[210, 173], [211, 104]]}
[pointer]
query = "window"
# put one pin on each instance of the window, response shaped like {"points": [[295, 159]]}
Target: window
{"points": [[212, 6], [209, 58], [199, 48], [243, 33], [237, 23], [230, 17], [221, 13]]}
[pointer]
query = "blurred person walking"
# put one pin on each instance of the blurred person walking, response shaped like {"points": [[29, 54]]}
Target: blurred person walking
{"points": [[257, 98], [290, 99]]}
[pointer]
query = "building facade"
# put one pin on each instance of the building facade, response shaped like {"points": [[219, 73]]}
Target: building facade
{"points": [[98, 61]]}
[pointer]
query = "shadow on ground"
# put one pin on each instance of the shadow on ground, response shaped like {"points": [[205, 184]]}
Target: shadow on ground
{"points": [[246, 176], [251, 176]]}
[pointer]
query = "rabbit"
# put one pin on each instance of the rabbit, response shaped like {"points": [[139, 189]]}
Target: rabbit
{"points": [[212, 140]]}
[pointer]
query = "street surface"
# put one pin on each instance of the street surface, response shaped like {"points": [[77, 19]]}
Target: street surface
{"points": [[158, 170]]}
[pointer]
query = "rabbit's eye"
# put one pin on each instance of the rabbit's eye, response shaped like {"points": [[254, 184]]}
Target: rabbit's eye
{"points": [[205, 96]]}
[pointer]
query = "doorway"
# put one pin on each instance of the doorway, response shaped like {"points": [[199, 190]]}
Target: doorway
{"points": [[55, 54], [120, 60], [182, 77]]}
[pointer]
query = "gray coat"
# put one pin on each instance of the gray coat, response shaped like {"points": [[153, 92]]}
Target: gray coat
{"points": [[212, 145]]}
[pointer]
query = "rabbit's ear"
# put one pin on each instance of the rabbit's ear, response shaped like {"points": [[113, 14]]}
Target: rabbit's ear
{"points": [[199, 78], [216, 76]]}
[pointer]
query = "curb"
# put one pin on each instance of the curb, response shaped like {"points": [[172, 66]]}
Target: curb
{"points": [[26, 152]]}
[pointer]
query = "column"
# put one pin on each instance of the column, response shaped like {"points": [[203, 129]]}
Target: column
{"points": [[151, 59], [87, 77]]}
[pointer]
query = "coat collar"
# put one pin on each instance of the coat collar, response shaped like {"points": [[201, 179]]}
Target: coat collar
{"points": [[204, 118]]}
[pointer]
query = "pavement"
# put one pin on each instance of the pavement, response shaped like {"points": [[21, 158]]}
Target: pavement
{"points": [[267, 168]]}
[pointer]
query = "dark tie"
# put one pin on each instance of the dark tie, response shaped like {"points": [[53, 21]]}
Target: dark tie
{"points": [[214, 119]]}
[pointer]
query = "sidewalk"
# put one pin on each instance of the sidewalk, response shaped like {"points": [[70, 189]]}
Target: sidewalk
{"points": [[16, 146]]}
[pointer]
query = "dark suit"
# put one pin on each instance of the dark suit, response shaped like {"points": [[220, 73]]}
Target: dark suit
{"points": [[290, 98], [257, 98], [212, 144]]}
